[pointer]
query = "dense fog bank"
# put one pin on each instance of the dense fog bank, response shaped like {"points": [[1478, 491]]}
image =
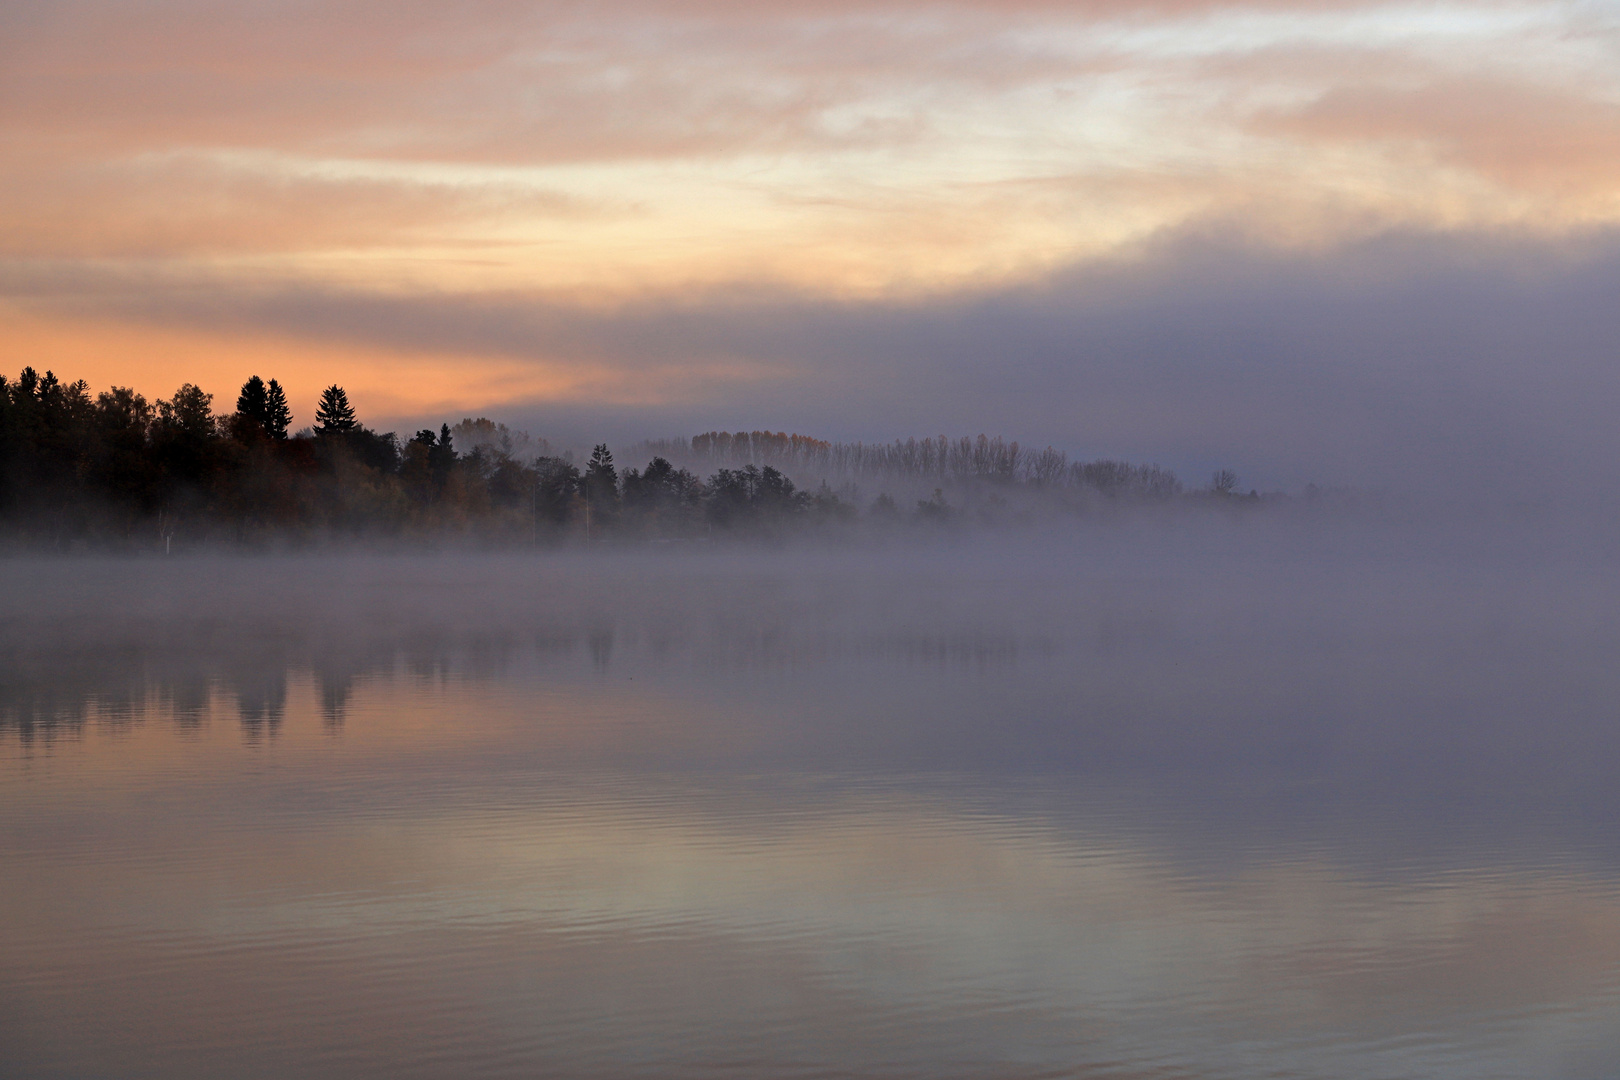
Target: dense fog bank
{"points": [[1416, 667]]}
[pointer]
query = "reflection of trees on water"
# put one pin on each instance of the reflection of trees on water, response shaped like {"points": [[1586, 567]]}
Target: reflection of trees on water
{"points": [[47, 697], [261, 700], [48, 693], [333, 689], [39, 719], [186, 698], [339, 666]]}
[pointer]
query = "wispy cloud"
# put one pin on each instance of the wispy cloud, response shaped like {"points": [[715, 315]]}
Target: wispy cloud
{"points": [[740, 131], [979, 215]]}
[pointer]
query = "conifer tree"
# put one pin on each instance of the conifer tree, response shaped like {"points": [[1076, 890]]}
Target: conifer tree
{"points": [[278, 417], [600, 475], [334, 415], [253, 404], [442, 458]]}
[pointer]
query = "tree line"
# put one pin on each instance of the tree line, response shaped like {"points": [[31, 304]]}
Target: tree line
{"points": [[115, 467], [936, 460]]}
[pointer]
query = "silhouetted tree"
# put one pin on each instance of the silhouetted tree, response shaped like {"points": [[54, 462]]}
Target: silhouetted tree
{"points": [[377, 450], [48, 424], [121, 466], [601, 487], [660, 485], [428, 463], [189, 413], [508, 483], [601, 478], [443, 456], [183, 441], [278, 416], [1224, 482], [252, 409], [334, 415], [415, 466], [750, 497], [661, 500]]}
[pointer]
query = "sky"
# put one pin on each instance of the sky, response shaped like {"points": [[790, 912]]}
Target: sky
{"points": [[1338, 242]]}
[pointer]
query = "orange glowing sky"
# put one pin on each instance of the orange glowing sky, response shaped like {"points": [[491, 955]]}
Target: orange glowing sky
{"points": [[172, 170]]}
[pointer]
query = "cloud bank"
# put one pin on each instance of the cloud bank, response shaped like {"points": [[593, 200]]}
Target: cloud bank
{"points": [[1411, 362]]}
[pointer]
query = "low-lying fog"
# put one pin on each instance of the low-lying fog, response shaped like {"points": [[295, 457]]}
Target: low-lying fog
{"points": [[1307, 796], [1425, 665]]}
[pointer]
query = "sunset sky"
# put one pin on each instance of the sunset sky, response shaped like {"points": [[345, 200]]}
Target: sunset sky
{"points": [[1333, 241]]}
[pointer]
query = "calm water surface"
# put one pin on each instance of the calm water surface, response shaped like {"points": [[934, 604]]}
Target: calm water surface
{"points": [[1035, 813]]}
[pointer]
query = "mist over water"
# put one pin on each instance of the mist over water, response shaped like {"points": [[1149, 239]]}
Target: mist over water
{"points": [[1216, 796]]}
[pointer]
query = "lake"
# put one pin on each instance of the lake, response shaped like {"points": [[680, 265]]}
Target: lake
{"points": [[1148, 801]]}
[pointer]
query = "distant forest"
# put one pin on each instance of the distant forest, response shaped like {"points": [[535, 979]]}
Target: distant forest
{"points": [[115, 469]]}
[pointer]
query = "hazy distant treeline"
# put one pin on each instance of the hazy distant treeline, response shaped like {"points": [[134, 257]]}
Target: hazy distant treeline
{"points": [[117, 468], [938, 460]]}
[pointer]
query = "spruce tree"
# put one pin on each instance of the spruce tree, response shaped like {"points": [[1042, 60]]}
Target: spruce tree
{"points": [[600, 474], [278, 417], [253, 405], [442, 458], [334, 415]]}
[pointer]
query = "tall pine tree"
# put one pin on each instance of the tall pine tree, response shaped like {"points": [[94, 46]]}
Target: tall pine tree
{"points": [[278, 417], [253, 404], [601, 478], [334, 415]]}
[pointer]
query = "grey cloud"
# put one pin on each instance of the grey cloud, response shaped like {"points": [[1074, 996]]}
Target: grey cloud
{"points": [[1409, 361]]}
